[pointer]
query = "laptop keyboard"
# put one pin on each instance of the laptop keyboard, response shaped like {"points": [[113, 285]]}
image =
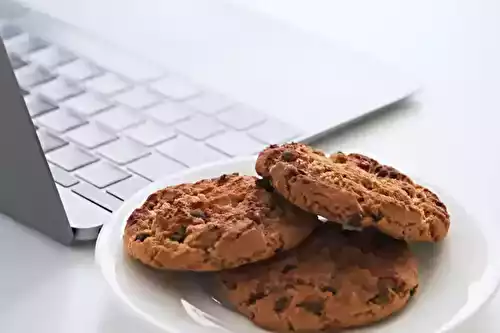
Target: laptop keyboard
{"points": [[106, 135]]}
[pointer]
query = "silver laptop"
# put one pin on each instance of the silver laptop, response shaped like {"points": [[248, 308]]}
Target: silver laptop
{"points": [[87, 120]]}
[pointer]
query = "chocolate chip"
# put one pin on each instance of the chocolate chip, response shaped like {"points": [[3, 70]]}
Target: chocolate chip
{"points": [[413, 291], [288, 156], [288, 268], [340, 157], [180, 235], [314, 307], [281, 304], [329, 289], [365, 165], [355, 220], [386, 282], [380, 299], [377, 216], [222, 179], [383, 173], [198, 213], [230, 284], [264, 183], [255, 297], [142, 236], [439, 204]]}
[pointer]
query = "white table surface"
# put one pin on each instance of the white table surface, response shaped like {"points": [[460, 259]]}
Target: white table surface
{"points": [[448, 135]]}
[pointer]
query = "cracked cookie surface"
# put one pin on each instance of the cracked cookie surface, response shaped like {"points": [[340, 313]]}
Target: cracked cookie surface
{"points": [[214, 224], [355, 190], [335, 279]]}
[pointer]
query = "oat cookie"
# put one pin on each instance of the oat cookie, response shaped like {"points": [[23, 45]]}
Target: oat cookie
{"points": [[214, 224], [335, 279], [355, 190]]}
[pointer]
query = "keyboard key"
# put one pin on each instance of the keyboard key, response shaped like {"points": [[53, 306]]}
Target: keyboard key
{"points": [[101, 174], [175, 88], [30, 76], [37, 106], [97, 196], [86, 104], [58, 90], [273, 131], [189, 152], [62, 177], [118, 118], [209, 103], [200, 127], [169, 112], [16, 61], [90, 136], [155, 166], [122, 151], [127, 188], [24, 44], [8, 31], [70, 158], [51, 57], [60, 121], [49, 142], [235, 144], [81, 212], [241, 117], [150, 134], [137, 98], [79, 70], [107, 84]]}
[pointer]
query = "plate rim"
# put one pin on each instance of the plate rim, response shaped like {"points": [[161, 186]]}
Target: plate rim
{"points": [[489, 281]]}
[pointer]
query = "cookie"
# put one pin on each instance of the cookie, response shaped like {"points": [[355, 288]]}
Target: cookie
{"points": [[355, 191], [214, 224], [335, 279]]}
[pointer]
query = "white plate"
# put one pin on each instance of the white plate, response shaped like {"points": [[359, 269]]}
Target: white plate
{"points": [[456, 277]]}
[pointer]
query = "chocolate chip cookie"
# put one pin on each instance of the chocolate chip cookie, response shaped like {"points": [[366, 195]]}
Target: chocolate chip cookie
{"points": [[335, 279], [215, 224], [356, 191]]}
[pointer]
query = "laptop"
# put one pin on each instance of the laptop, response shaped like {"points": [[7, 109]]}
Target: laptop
{"points": [[92, 109]]}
